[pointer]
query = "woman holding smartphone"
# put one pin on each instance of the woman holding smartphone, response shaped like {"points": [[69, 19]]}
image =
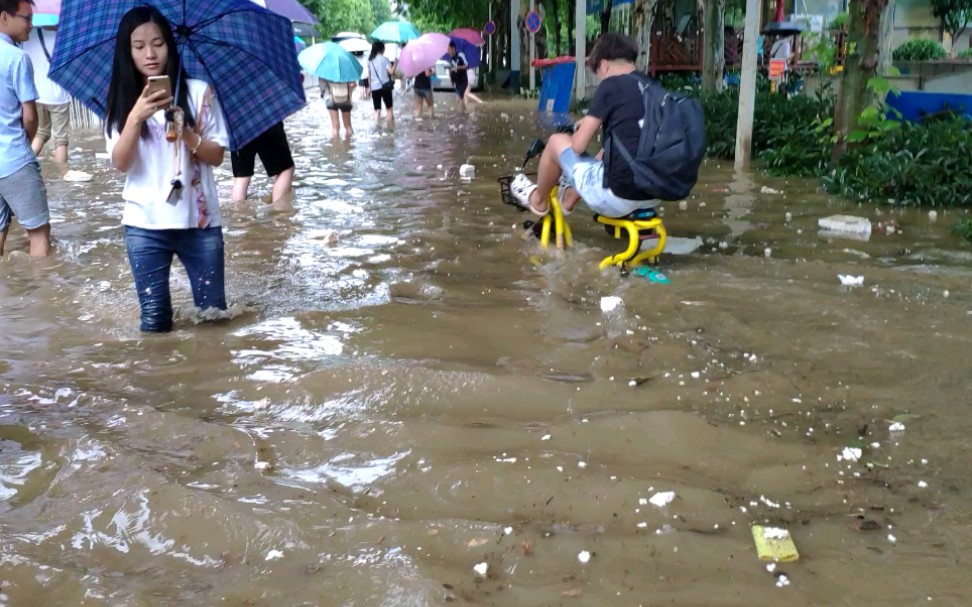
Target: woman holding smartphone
{"points": [[171, 206]]}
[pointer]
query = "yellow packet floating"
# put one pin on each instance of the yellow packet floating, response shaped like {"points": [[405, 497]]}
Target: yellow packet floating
{"points": [[774, 544]]}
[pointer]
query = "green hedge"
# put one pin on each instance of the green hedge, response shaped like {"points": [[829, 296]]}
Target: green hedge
{"points": [[926, 164], [787, 138], [919, 49]]}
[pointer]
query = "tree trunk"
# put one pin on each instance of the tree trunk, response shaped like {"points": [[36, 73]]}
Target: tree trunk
{"points": [[884, 44], [714, 55], [555, 11], [571, 28], [606, 17], [860, 65], [644, 18]]}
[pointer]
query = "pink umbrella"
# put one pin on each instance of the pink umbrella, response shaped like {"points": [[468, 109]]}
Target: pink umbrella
{"points": [[47, 7], [469, 35], [422, 53]]}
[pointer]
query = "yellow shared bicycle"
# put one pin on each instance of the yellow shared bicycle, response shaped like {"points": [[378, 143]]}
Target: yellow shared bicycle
{"points": [[643, 229]]}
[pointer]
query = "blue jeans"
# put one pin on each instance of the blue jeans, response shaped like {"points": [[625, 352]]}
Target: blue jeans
{"points": [[150, 255]]}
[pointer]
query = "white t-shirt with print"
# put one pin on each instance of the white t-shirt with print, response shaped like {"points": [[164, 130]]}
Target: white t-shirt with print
{"points": [[147, 183]]}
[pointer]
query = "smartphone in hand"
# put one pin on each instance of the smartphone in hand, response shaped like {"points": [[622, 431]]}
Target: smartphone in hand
{"points": [[160, 83]]}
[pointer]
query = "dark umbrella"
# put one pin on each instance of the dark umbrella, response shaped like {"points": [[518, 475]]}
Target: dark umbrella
{"points": [[243, 50], [472, 52], [780, 27], [291, 9]]}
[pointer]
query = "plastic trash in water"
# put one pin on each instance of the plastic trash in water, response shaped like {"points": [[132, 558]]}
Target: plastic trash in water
{"points": [[467, 171], [849, 280], [652, 275], [77, 176], [774, 544], [611, 303], [848, 224]]}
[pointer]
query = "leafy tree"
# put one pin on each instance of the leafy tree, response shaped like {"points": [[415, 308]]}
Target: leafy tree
{"points": [[381, 11], [956, 16], [343, 15], [445, 15], [860, 66]]}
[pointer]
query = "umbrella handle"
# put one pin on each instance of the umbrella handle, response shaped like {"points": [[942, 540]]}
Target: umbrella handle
{"points": [[178, 85]]}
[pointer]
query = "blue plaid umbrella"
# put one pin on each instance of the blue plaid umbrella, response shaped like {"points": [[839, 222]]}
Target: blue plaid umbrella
{"points": [[330, 61], [243, 50]]}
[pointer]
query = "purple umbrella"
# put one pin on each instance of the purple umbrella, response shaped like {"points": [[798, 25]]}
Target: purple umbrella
{"points": [[291, 9], [472, 52]]}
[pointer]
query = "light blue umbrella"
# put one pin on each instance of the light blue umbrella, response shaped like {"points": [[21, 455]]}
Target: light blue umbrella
{"points": [[395, 31], [42, 20], [329, 60], [300, 44]]}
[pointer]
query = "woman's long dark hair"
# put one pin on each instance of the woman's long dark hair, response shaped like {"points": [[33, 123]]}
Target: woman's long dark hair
{"points": [[127, 82], [377, 48]]}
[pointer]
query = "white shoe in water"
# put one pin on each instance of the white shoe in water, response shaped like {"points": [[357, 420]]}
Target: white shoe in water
{"points": [[520, 189]]}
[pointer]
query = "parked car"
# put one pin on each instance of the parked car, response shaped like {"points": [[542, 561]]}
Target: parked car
{"points": [[442, 82]]}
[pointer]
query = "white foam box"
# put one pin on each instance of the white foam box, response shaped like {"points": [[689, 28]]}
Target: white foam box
{"points": [[845, 223]]}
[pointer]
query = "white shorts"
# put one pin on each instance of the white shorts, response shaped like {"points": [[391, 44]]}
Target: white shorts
{"points": [[586, 175]]}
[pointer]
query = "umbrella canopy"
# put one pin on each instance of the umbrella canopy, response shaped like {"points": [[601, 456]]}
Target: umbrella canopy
{"points": [[299, 44], [291, 9], [469, 35], [46, 13], [330, 61], [343, 35], [471, 51], [395, 31], [355, 45], [243, 51], [422, 53]]}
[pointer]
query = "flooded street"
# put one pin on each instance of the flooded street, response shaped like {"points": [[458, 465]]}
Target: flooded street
{"points": [[386, 413]]}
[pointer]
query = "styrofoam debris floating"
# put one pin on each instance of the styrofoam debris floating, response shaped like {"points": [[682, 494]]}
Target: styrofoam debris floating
{"points": [[845, 223], [896, 427], [768, 190], [584, 556], [850, 454], [274, 554], [849, 280], [481, 568], [611, 303], [662, 498], [467, 171], [77, 176], [932, 215]]}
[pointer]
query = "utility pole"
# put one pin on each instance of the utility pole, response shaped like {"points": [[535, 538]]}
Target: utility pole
{"points": [[492, 63], [515, 46], [580, 49], [747, 85], [533, 50]]}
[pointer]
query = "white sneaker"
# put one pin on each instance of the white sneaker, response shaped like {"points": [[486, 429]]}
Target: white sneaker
{"points": [[520, 189]]}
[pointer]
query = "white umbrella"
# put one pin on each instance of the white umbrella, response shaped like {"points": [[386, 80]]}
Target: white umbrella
{"points": [[342, 35], [355, 45]]}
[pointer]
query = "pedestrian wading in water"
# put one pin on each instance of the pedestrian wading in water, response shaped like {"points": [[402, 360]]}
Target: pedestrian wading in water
{"points": [[167, 147]]}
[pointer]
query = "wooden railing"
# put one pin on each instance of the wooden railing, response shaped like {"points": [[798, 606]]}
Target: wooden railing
{"points": [[673, 53]]}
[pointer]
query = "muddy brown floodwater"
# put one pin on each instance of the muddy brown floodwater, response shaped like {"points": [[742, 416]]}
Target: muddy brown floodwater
{"points": [[385, 415]]}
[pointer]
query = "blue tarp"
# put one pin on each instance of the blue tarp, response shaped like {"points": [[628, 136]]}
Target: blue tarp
{"points": [[914, 105]]}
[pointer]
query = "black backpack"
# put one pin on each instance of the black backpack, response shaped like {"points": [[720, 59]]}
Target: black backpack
{"points": [[671, 147]]}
